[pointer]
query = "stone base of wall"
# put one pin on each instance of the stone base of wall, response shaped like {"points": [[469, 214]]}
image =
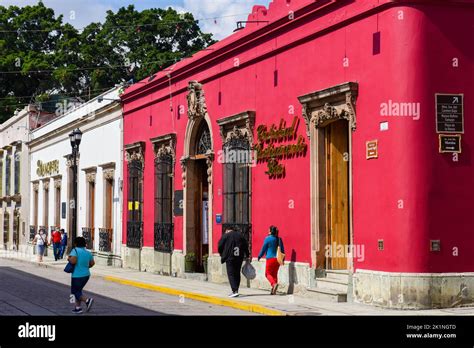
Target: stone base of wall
{"points": [[131, 258], [107, 259], [293, 277], [413, 290]]}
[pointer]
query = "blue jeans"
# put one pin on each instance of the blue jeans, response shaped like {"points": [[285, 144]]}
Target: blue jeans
{"points": [[40, 249], [77, 284], [56, 248], [62, 249]]}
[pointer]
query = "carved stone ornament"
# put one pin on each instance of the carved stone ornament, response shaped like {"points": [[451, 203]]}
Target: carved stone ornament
{"points": [[209, 160], [36, 186], [165, 150], [135, 153], [196, 100], [334, 103], [46, 185], [109, 174], [57, 183], [237, 127], [90, 177], [183, 169]]}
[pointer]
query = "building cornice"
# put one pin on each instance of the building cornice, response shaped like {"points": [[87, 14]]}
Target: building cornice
{"points": [[78, 123]]}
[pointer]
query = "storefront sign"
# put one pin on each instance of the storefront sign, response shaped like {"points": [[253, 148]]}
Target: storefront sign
{"points": [[178, 203], [48, 168], [218, 218], [371, 149], [270, 149], [449, 113], [449, 143]]}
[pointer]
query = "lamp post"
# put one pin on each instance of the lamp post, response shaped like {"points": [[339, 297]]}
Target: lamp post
{"points": [[75, 137]]}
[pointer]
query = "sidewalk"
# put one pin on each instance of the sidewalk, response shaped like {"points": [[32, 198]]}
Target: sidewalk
{"points": [[251, 300]]}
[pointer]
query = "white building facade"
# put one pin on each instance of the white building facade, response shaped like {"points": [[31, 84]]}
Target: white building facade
{"points": [[99, 195], [14, 181]]}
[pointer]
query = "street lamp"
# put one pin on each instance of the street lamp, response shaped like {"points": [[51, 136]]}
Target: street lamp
{"points": [[75, 138]]}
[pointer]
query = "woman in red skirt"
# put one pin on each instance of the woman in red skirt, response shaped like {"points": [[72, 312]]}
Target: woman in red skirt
{"points": [[270, 246]]}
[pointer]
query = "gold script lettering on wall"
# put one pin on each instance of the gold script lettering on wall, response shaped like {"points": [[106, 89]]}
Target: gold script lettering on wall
{"points": [[269, 148], [48, 168]]}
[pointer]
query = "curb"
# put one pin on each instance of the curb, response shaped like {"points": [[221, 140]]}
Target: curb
{"points": [[249, 307]]}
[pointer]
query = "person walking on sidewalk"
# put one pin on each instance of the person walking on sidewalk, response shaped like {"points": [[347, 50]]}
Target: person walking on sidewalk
{"points": [[82, 260], [63, 245], [233, 248], [41, 242], [56, 240], [270, 247]]}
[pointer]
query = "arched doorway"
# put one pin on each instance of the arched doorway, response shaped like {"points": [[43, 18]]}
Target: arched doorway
{"points": [[198, 194]]}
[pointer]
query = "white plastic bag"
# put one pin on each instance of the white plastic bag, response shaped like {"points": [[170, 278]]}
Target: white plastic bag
{"points": [[249, 271]]}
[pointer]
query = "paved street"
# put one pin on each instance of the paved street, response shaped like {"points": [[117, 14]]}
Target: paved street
{"points": [[26, 289]]}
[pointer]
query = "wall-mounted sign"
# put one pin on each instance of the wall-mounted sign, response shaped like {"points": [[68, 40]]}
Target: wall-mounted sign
{"points": [[63, 210], [48, 168], [449, 143], [449, 113], [371, 148], [269, 150], [218, 218], [178, 203]]}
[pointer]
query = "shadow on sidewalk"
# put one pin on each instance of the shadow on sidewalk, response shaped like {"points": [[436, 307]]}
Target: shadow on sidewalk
{"points": [[54, 297]]}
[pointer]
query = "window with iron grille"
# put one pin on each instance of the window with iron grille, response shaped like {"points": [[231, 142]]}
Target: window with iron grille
{"points": [[163, 203], [135, 194], [236, 173]]}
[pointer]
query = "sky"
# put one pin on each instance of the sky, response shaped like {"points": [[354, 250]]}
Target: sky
{"points": [[223, 14]]}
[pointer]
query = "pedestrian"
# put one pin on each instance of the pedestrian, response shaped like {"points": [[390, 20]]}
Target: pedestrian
{"points": [[41, 242], [233, 248], [270, 247], [63, 246], [56, 240], [82, 260]]}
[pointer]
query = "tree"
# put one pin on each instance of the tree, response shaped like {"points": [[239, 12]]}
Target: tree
{"points": [[128, 45]]}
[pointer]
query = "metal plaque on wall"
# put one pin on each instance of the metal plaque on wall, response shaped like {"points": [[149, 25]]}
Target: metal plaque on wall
{"points": [[178, 203], [450, 143], [63, 210]]}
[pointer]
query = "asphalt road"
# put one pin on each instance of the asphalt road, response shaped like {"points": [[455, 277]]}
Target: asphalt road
{"points": [[27, 289]]}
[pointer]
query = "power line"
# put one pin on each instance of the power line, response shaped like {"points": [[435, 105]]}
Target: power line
{"points": [[18, 31], [76, 69], [72, 95]]}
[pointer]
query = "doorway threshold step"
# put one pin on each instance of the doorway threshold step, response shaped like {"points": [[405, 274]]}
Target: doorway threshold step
{"points": [[327, 295], [338, 274], [332, 284]]}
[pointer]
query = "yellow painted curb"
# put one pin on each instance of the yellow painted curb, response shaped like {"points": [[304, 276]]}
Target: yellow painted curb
{"points": [[249, 307]]}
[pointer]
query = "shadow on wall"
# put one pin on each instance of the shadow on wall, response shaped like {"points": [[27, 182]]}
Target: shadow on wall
{"points": [[292, 277]]}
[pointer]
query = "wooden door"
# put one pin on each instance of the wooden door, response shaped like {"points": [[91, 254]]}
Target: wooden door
{"points": [[337, 192]]}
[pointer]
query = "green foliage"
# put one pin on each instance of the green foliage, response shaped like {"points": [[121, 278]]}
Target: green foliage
{"points": [[92, 60], [191, 257]]}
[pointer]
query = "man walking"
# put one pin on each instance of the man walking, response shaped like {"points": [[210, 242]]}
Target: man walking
{"points": [[56, 239], [233, 249], [63, 246]]}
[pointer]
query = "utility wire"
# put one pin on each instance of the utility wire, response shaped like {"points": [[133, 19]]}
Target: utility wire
{"points": [[123, 26]]}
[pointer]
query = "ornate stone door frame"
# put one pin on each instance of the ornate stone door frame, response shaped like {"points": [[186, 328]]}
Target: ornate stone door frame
{"points": [[319, 109], [197, 114]]}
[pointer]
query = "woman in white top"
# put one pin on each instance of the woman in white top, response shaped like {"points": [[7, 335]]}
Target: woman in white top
{"points": [[41, 242]]}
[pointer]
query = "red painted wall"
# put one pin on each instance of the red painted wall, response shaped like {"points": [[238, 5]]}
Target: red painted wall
{"points": [[415, 62]]}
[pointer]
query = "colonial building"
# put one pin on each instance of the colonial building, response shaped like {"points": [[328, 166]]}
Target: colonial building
{"points": [[350, 119], [14, 178], [99, 175]]}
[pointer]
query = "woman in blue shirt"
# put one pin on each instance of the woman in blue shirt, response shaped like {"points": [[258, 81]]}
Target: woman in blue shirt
{"points": [[82, 260], [270, 246]]}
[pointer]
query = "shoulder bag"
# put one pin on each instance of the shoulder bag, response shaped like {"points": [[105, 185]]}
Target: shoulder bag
{"points": [[70, 267], [280, 255]]}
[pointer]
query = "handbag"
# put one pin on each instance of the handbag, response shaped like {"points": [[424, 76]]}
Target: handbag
{"points": [[249, 271], [70, 267], [280, 255]]}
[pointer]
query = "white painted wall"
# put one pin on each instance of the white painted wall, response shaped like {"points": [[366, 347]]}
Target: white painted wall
{"points": [[101, 143]]}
